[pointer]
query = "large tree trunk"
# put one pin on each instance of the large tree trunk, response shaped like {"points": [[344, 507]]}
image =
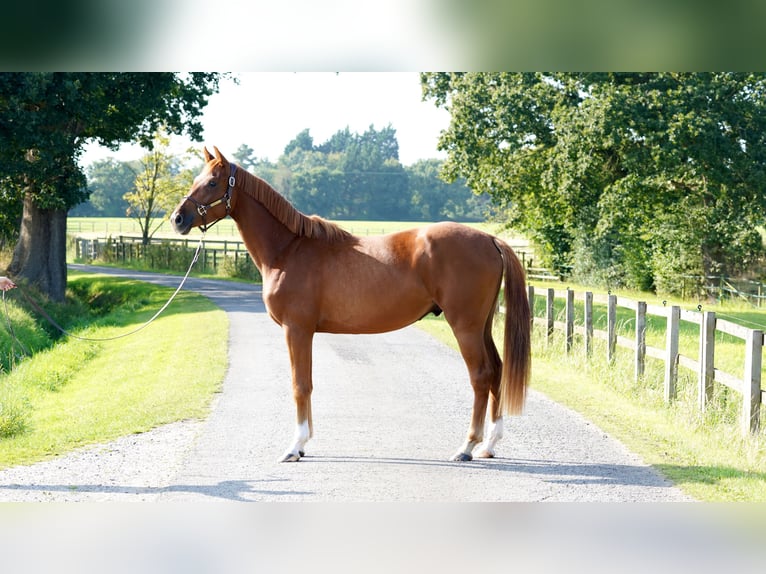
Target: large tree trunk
{"points": [[40, 254]]}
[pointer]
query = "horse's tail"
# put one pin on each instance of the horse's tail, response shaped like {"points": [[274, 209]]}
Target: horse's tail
{"points": [[517, 335]]}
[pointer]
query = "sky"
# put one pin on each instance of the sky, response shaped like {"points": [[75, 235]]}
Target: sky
{"points": [[267, 110]]}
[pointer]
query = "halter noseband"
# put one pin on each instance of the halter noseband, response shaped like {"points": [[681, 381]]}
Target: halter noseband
{"points": [[225, 199]]}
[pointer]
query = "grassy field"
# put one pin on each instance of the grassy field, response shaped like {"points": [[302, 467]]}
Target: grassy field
{"points": [[704, 454], [75, 392]]}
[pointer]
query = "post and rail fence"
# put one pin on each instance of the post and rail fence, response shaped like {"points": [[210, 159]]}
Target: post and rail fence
{"points": [[748, 385], [126, 248]]}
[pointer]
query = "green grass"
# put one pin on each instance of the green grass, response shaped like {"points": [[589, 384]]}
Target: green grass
{"points": [[704, 454], [79, 392]]}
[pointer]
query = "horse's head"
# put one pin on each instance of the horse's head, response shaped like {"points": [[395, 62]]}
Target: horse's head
{"points": [[209, 199]]}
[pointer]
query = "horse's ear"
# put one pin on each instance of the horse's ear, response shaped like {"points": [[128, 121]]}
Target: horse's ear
{"points": [[219, 155], [208, 157]]}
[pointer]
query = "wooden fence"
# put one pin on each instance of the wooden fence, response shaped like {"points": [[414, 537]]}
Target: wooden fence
{"points": [[126, 248], [749, 385]]}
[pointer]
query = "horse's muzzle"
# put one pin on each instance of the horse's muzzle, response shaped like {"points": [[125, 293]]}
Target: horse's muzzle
{"points": [[181, 222]]}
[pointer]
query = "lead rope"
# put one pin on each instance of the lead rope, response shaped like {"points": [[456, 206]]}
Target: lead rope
{"points": [[50, 319]]}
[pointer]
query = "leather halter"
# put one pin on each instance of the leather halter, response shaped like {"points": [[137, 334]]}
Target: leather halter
{"points": [[202, 209]]}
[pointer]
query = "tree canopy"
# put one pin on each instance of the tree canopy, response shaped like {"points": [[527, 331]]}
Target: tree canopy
{"points": [[359, 176], [46, 118], [349, 176], [627, 178]]}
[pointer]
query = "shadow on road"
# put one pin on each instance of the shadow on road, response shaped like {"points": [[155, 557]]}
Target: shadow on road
{"points": [[234, 490], [555, 471]]}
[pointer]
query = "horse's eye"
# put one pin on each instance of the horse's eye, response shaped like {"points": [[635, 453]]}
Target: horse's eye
{"points": [[212, 183]]}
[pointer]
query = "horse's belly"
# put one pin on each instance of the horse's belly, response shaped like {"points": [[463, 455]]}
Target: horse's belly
{"points": [[374, 312]]}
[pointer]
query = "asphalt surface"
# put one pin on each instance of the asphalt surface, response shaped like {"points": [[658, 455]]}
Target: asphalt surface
{"points": [[389, 410]]}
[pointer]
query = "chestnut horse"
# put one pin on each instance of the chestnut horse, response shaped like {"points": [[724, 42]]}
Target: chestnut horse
{"points": [[320, 278]]}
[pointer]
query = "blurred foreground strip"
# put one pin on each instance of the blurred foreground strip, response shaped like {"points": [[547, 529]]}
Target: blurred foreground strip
{"points": [[371, 538]]}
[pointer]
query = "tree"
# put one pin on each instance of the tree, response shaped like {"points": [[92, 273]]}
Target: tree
{"points": [[159, 184], [634, 178], [433, 199], [244, 156], [303, 142], [108, 182], [350, 176], [376, 182], [46, 118]]}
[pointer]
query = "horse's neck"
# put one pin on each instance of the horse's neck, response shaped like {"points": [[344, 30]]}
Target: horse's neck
{"points": [[264, 236]]}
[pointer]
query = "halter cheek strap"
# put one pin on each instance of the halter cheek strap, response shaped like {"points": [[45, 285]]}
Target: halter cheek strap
{"points": [[202, 209]]}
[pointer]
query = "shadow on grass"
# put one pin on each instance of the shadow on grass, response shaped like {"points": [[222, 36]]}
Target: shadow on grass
{"points": [[710, 475]]}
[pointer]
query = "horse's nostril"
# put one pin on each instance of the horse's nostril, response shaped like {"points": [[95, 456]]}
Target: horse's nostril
{"points": [[178, 219]]}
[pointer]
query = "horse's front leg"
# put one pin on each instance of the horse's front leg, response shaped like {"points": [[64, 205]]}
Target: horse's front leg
{"points": [[299, 344]]}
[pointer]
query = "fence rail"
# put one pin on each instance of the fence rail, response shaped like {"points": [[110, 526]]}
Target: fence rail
{"points": [[125, 248], [748, 385]]}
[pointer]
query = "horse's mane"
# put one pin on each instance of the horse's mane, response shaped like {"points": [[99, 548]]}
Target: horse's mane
{"points": [[297, 222]]}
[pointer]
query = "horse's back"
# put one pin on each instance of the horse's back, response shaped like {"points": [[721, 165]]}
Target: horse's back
{"points": [[459, 251]]}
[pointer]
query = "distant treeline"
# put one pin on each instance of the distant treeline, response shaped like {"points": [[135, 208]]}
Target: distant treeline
{"points": [[350, 176]]}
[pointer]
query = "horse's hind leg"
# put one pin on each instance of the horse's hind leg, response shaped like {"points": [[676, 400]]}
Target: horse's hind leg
{"points": [[299, 344], [495, 426], [484, 372]]}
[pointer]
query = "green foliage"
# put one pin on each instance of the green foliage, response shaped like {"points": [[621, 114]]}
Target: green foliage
{"points": [[46, 119], [240, 267], [350, 176], [635, 178], [359, 176], [14, 411], [433, 199], [109, 181], [159, 184], [10, 217], [54, 114], [24, 327]]}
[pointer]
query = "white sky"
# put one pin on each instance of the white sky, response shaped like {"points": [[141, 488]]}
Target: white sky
{"points": [[267, 110]]}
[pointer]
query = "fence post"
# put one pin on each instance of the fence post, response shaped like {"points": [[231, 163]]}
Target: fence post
{"points": [[588, 323], [570, 319], [531, 299], [640, 339], [551, 294], [706, 358], [751, 392], [671, 358], [611, 328]]}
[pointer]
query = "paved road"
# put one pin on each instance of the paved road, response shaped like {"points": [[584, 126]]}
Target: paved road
{"points": [[389, 411]]}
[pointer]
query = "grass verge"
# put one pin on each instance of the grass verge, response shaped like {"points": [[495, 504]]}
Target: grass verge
{"points": [[77, 392]]}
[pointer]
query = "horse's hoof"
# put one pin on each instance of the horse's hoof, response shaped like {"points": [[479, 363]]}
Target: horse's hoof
{"points": [[290, 457], [300, 452], [485, 453], [462, 457]]}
